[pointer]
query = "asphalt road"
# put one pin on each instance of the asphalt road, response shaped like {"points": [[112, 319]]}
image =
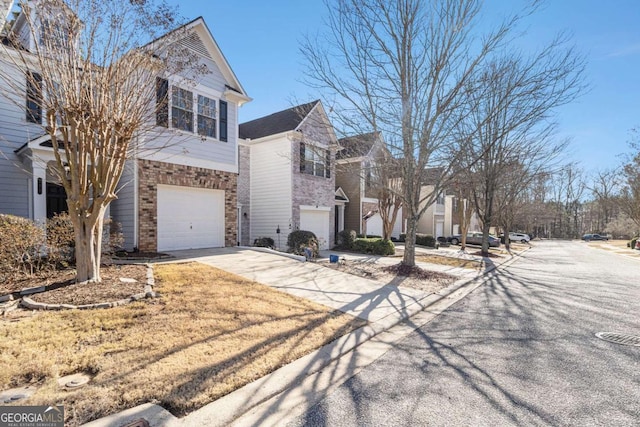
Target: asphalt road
{"points": [[520, 350]]}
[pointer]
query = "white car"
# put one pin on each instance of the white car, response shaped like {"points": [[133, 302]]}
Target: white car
{"points": [[519, 237]]}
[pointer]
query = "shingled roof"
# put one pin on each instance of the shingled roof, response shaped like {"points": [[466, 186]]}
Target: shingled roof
{"points": [[357, 146], [276, 123]]}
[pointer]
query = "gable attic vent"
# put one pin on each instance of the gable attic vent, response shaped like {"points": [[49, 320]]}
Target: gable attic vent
{"points": [[194, 43]]}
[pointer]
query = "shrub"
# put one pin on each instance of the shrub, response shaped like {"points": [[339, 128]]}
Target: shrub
{"points": [[633, 243], [264, 242], [299, 240], [21, 247], [374, 246], [402, 237], [346, 238], [60, 240], [426, 240]]}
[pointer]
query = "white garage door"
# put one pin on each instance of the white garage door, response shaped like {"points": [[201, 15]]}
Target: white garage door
{"points": [[374, 225], [318, 223], [190, 218]]}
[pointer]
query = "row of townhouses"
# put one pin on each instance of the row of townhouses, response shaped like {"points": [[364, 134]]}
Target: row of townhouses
{"points": [[238, 182]]}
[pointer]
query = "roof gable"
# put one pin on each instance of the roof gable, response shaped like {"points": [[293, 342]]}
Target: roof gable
{"points": [[273, 124], [358, 145], [201, 41]]}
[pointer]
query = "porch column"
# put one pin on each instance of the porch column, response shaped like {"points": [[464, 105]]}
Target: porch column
{"points": [[39, 191], [340, 218]]}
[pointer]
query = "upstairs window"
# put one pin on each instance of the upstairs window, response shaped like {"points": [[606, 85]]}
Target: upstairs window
{"points": [[206, 116], [314, 161], [185, 110], [34, 98], [182, 109]]}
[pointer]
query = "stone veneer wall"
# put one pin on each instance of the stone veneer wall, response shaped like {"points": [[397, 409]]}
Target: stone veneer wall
{"points": [[244, 193], [153, 173]]}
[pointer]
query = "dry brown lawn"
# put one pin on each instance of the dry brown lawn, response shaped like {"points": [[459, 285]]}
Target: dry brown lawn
{"points": [[208, 334]]}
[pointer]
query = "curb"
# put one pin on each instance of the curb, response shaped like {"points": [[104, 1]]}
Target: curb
{"points": [[234, 405]]}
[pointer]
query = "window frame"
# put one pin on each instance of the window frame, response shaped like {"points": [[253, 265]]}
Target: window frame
{"points": [[310, 165], [203, 118], [187, 122]]}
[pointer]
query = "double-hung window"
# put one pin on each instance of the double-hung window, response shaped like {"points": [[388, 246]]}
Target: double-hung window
{"points": [[190, 112], [182, 109], [206, 116], [315, 161]]}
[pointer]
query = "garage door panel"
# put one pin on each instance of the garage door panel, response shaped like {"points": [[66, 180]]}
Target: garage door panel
{"points": [[190, 218], [318, 223]]}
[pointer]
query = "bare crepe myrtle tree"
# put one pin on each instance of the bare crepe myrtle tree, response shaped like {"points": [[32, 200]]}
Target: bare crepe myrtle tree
{"points": [[402, 68], [90, 71]]}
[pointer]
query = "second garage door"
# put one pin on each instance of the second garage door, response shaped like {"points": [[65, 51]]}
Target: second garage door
{"points": [[190, 218], [316, 221]]}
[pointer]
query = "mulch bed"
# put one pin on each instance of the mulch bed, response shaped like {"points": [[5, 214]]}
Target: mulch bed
{"points": [[110, 289], [397, 274]]}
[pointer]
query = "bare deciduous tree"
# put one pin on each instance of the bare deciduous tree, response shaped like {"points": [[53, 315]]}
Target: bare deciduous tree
{"points": [[90, 70], [513, 100], [402, 68]]}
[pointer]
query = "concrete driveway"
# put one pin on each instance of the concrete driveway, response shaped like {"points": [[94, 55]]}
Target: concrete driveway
{"points": [[357, 296]]}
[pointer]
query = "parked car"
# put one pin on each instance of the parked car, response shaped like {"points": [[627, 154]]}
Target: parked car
{"points": [[519, 237], [474, 238], [589, 237]]}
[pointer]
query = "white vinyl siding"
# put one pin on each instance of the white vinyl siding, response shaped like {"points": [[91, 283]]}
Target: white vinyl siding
{"points": [[271, 185]]}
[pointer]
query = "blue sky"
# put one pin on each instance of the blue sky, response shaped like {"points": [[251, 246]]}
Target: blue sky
{"points": [[261, 39]]}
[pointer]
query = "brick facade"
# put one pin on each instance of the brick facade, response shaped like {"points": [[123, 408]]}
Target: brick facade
{"points": [[152, 173], [244, 193]]}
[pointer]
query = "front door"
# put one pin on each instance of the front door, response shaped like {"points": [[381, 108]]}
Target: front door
{"points": [[56, 199]]}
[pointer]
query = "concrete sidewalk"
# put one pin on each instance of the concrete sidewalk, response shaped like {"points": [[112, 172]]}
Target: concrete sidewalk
{"points": [[392, 312]]}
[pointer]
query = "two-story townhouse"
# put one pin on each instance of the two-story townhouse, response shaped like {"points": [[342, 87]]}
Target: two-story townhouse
{"points": [[287, 175], [179, 188], [358, 162]]}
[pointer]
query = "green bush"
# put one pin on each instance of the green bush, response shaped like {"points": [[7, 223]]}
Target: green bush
{"points": [[264, 242], [374, 246], [299, 240], [402, 237], [346, 238], [633, 243], [426, 240], [22, 244]]}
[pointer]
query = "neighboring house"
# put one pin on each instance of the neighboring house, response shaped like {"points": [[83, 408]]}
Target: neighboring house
{"points": [[437, 220], [177, 193], [355, 178], [287, 175]]}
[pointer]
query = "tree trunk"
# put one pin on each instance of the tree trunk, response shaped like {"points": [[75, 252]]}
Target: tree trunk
{"points": [[485, 238], [409, 257], [88, 240]]}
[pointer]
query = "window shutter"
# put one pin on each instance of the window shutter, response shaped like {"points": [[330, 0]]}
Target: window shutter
{"points": [[162, 102], [34, 98], [223, 121], [302, 157], [327, 166]]}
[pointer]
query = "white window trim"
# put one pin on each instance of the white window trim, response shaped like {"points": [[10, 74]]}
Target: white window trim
{"points": [[197, 89]]}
